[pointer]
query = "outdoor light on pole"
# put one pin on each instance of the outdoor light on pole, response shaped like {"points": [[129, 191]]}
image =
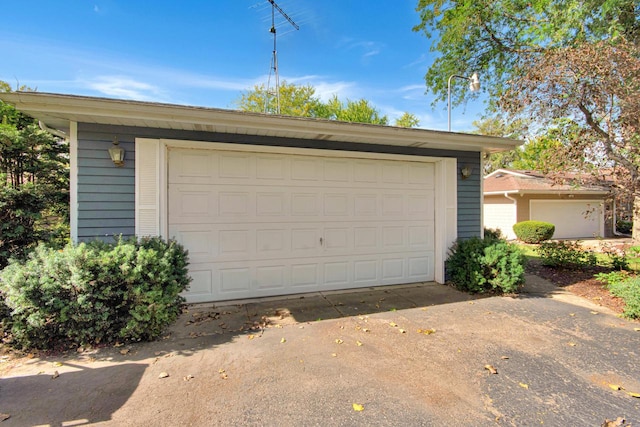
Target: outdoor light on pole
{"points": [[474, 85]]}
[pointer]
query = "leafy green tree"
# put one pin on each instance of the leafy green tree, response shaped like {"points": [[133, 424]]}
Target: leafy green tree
{"points": [[360, 111], [492, 37], [576, 61], [407, 120], [300, 101], [498, 126]]}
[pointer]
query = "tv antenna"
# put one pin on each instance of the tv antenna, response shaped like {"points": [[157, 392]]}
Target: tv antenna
{"points": [[274, 58]]}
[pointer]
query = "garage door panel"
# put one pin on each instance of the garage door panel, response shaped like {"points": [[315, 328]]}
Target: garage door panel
{"points": [[572, 218], [268, 224], [304, 276]]}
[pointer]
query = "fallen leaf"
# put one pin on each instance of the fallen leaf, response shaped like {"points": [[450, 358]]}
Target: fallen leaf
{"points": [[402, 331], [163, 375], [339, 341], [636, 329], [224, 376], [251, 336], [614, 387], [392, 324], [618, 422], [357, 407], [55, 375], [633, 394], [334, 354], [57, 363], [572, 344], [124, 351], [221, 371], [365, 330], [4, 417], [595, 312], [279, 326], [523, 385], [572, 314], [358, 343], [426, 331], [504, 357], [188, 377], [283, 340], [491, 369]]}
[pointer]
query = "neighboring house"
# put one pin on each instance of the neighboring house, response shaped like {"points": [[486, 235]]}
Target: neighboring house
{"points": [[265, 204], [513, 196]]}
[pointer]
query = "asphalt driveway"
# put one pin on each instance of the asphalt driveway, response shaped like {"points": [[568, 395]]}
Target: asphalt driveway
{"points": [[412, 355]]}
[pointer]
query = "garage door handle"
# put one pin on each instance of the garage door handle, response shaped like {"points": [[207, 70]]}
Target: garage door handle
{"points": [[321, 241]]}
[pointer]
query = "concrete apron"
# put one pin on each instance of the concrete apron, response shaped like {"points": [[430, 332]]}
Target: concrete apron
{"points": [[252, 316]]}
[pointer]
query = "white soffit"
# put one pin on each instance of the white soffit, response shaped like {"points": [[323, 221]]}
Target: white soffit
{"points": [[56, 111]]}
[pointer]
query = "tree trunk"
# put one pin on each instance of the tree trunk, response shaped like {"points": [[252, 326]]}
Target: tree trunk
{"points": [[636, 220]]}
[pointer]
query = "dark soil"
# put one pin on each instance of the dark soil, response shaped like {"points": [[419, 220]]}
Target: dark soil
{"points": [[579, 282]]}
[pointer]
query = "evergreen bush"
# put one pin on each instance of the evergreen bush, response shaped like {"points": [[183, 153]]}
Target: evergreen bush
{"points": [[94, 293], [534, 231], [479, 265]]}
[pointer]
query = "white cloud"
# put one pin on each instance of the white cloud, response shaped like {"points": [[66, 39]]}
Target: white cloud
{"points": [[125, 87]]}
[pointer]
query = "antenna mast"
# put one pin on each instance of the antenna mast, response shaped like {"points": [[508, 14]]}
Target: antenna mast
{"points": [[274, 58]]}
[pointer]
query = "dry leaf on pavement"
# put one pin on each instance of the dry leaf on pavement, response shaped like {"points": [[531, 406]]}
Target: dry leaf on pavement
{"points": [[357, 407], [491, 369], [615, 423]]}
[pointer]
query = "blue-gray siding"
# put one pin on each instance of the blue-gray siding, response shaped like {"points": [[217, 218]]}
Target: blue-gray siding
{"points": [[106, 199]]}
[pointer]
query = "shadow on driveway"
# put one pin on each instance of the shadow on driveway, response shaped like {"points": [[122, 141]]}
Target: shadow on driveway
{"points": [[77, 395], [248, 316]]}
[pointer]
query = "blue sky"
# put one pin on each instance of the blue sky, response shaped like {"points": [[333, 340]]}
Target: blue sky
{"points": [[206, 53]]}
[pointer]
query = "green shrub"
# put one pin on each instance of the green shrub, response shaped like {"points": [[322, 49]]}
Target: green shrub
{"points": [[534, 231], [566, 254], [625, 227], [629, 291], [493, 233], [95, 293], [480, 265]]}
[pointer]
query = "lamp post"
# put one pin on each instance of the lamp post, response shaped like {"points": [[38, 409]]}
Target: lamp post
{"points": [[474, 85]]}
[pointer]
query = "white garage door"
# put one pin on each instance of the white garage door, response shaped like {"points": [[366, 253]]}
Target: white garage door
{"points": [[260, 224], [574, 219], [500, 216]]}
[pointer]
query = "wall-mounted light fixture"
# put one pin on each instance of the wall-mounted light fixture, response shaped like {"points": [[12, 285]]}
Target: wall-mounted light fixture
{"points": [[465, 172], [116, 153]]}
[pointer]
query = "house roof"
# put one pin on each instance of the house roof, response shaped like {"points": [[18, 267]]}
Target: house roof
{"points": [[520, 182], [57, 111]]}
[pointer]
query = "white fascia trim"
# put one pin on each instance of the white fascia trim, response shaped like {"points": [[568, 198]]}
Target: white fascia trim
{"points": [[549, 193]]}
